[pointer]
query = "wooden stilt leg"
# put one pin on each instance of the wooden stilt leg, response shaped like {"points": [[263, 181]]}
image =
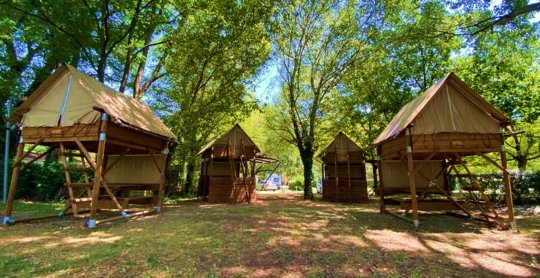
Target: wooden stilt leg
{"points": [[381, 181], [162, 180], [375, 178], [97, 174], [412, 182], [508, 190], [13, 185]]}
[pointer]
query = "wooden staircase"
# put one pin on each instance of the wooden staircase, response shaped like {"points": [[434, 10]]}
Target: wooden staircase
{"points": [[79, 193], [478, 198]]}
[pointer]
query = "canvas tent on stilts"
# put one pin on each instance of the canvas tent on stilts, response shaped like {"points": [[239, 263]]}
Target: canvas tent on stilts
{"points": [[115, 142], [428, 140]]}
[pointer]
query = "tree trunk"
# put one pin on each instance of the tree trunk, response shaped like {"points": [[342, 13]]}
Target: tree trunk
{"points": [[521, 163], [307, 161], [190, 173]]}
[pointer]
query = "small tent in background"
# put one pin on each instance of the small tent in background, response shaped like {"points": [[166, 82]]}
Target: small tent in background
{"points": [[229, 168], [95, 130], [428, 139], [343, 171]]}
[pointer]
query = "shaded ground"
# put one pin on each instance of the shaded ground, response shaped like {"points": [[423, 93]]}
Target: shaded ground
{"points": [[288, 238]]}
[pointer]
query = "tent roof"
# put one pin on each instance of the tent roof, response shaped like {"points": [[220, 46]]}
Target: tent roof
{"points": [[412, 110], [86, 96], [225, 135], [341, 142]]}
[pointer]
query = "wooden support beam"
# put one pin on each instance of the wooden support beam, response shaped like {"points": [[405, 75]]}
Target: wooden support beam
{"points": [[401, 217], [161, 191], [381, 181], [67, 176], [20, 159], [481, 190], [131, 215], [37, 158], [349, 172], [111, 165], [419, 166], [13, 185], [126, 144], [508, 190], [86, 154], [207, 189], [100, 156], [411, 171], [158, 167], [493, 162]]}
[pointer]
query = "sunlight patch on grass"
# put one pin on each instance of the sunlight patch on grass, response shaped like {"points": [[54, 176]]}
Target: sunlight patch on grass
{"points": [[396, 241]]}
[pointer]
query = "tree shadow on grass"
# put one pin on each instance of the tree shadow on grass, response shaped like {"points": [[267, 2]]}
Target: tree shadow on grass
{"points": [[280, 239]]}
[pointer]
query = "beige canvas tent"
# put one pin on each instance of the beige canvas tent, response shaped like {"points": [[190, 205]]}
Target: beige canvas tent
{"points": [[428, 139], [96, 130], [229, 168], [343, 171]]}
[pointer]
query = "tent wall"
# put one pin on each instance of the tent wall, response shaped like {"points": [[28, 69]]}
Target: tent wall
{"points": [[451, 111], [444, 143], [133, 169], [396, 176]]}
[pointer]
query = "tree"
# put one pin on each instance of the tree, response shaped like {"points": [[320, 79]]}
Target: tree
{"points": [[104, 38], [406, 57], [316, 44], [220, 47], [482, 16], [503, 68]]}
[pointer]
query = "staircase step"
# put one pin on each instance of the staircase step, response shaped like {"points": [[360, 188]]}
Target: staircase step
{"points": [[76, 169], [78, 184], [80, 200]]}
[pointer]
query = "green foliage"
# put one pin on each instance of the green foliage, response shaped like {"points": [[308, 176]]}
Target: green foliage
{"points": [[525, 186], [41, 181], [296, 185], [44, 180], [219, 48]]}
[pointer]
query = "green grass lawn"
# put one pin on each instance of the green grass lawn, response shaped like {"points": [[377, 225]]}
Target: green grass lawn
{"points": [[269, 238]]}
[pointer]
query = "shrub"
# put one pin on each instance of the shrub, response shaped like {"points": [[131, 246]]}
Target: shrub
{"points": [[296, 185], [524, 186], [44, 180]]}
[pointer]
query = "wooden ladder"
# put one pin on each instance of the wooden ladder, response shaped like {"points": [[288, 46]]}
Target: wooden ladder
{"points": [[479, 198], [75, 196]]}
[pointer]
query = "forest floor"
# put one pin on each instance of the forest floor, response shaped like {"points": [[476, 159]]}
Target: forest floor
{"points": [[270, 238]]}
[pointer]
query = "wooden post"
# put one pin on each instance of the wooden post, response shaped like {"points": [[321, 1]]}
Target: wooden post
{"points": [[412, 182], [508, 189], [13, 185], [164, 153], [375, 178], [349, 172], [381, 182], [99, 167], [207, 190], [336, 174]]}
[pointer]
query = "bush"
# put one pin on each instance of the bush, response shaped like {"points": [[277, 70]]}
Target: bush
{"points": [[44, 180], [296, 185], [524, 186]]}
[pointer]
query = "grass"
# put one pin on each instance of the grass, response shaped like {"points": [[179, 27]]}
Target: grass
{"points": [[269, 238]]}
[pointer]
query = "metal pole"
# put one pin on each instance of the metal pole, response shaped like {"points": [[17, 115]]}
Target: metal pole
{"points": [[6, 154]]}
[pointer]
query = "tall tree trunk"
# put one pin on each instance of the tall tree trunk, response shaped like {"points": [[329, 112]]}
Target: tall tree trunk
{"points": [[307, 161], [190, 175], [521, 162]]}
